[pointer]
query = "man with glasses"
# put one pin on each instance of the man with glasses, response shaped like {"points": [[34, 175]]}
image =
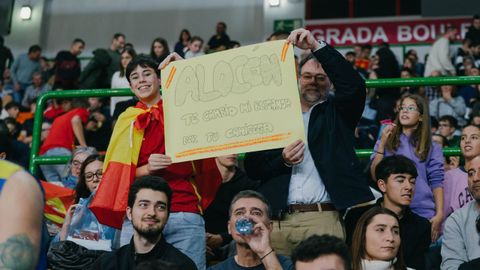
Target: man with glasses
{"points": [[461, 234], [308, 183]]}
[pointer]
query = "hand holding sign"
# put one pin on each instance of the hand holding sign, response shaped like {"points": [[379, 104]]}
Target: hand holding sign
{"points": [[303, 39], [240, 100]]}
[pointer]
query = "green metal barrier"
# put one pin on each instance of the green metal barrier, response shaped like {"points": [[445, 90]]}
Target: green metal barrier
{"points": [[36, 160]]}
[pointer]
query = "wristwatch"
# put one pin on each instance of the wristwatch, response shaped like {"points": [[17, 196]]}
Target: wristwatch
{"points": [[322, 44]]}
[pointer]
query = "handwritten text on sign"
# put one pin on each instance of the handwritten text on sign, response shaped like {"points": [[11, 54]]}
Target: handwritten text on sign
{"points": [[240, 100]]}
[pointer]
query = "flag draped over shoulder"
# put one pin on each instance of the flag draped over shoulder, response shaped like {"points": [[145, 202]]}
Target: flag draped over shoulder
{"points": [[110, 201]]}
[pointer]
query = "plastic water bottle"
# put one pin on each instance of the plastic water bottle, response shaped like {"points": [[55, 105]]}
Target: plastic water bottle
{"points": [[244, 226]]}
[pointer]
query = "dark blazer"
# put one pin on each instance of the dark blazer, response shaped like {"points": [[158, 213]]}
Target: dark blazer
{"points": [[330, 140]]}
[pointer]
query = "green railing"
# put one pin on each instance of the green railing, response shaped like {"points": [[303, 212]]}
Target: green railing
{"points": [[36, 160]]}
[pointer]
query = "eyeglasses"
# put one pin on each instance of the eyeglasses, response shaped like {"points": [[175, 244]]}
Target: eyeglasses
{"points": [[319, 78], [89, 176], [76, 163], [408, 109]]}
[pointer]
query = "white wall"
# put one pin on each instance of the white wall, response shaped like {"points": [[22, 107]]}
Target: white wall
{"points": [[288, 9], [143, 20], [25, 33]]}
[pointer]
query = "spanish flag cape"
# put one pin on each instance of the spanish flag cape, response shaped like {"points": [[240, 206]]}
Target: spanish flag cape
{"points": [[110, 202]]}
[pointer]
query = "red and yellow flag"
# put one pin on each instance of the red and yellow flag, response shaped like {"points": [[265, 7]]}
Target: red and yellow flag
{"points": [[57, 201], [110, 202]]}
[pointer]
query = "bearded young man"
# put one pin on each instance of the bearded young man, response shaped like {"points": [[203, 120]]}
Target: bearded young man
{"points": [[148, 209]]}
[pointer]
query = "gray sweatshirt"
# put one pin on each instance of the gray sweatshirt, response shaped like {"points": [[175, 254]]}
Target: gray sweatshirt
{"points": [[23, 69], [461, 241]]}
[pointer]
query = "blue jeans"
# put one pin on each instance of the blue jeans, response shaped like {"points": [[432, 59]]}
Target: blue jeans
{"points": [[55, 173], [185, 231]]}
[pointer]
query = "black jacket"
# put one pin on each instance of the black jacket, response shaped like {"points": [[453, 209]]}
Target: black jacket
{"points": [[330, 140], [415, 233], [126, 257]]}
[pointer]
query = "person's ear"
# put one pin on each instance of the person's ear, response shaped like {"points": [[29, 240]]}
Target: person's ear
{"points": [[129, 213], [382, 185]]}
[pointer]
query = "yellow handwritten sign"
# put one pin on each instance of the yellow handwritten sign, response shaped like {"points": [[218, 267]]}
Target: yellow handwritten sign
{"points": [[235, 101]]}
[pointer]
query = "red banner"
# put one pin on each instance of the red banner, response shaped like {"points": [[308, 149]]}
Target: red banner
{"points": [[393, 32]]}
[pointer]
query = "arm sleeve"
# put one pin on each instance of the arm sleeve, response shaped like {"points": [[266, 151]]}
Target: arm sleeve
{"points": [[435, 168], [350, 91], [14, 70], [444, 58], [458, 106], [453, 249]]}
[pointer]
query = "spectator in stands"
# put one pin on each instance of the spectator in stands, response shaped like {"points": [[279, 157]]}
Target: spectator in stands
{"points": [[67, 66], [22, 70], [216, 215], [363, 59], [350, 57], [185, 229], [6, 56], [89, 178], [194, 48], [278, 35], [321, 253], [46, 69], [159, 50], [149, 204], [65, 129], [407, 73], [470, 93], [299, 186], [98, 129], [79, 155], [410, 136], [418, 67], [13, 109], [396, 180], [433, 92], [385, 98], [119, 80], [35, 90], [254, 250], [447, 126], [465, 51], [7, 81], [182, 42], [21, 238], [455, 185], [461, 235], [220, 40], [376, 241], [449, 104], [473, 32], [105, 62], [438, 57]]}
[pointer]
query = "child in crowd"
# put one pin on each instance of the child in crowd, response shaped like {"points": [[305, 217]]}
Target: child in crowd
{"points": [[194, 47], [410, 136]]}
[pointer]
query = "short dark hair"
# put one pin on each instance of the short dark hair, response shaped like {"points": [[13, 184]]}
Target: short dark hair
{"points": [[450, 119], [350, 53], [367, 46], [117, 35], [152, 182], [250, 194], [78, 40], [316, 246], [143, 61], [196, 38], [34, 48], [395, 164], [224, 24], [12, 104]]}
